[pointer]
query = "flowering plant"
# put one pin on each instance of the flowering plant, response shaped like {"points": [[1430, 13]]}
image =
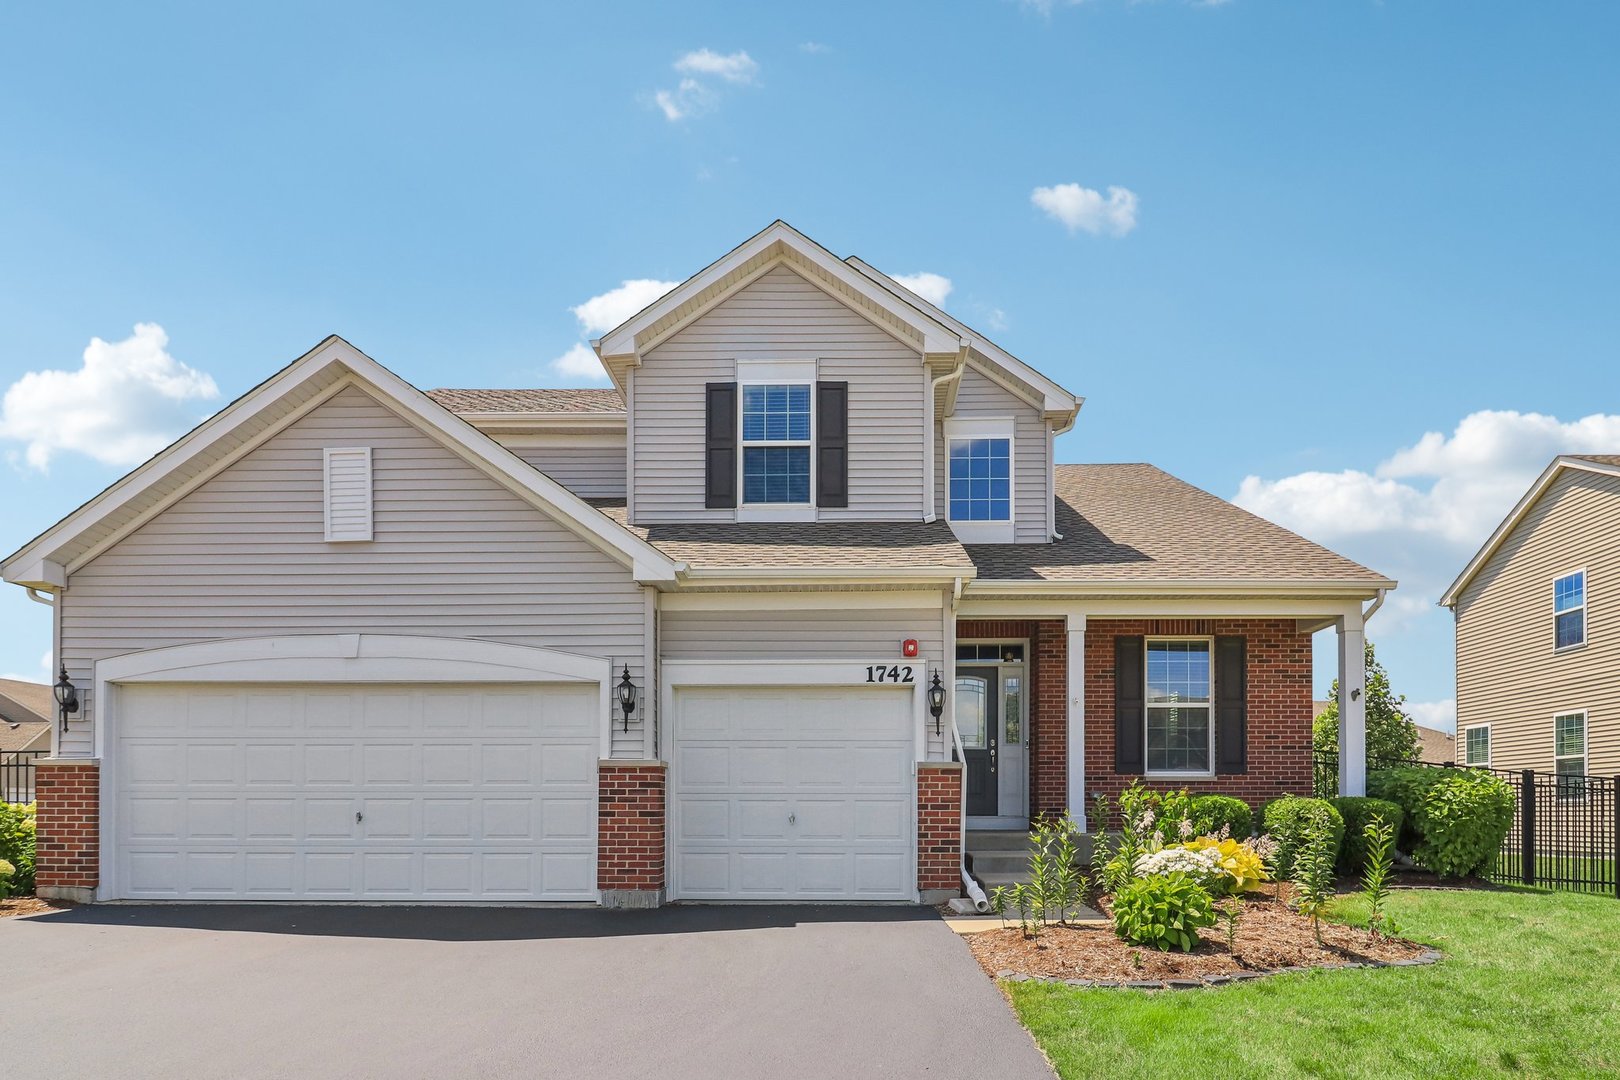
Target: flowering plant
{"points": [[1197, 863], [1237, 864]]}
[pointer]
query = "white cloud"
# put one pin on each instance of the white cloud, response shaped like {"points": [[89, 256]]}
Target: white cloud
{"points": [[737, 67], [1440, 715], [1083, 208], [933, 288], [602, 313], [814, 48], [579, 364], [1423, 511], [129, 400], [693, 96]]}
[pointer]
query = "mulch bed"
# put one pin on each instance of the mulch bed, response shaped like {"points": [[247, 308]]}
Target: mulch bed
{"points": [[28, 905], [1270, 936]]}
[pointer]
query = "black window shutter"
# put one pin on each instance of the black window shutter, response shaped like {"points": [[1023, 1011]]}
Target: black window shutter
{"points": [[720, 445], [1231, 705], [1130, 706], [832, 444]]}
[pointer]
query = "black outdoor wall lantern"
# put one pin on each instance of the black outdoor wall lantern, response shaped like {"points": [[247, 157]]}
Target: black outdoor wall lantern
{"points": [[627, 696], [936, 701], [67, 696]]}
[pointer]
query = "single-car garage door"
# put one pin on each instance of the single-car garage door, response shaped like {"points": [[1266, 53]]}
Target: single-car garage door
{"points": [[793, 793], [364, 792]]}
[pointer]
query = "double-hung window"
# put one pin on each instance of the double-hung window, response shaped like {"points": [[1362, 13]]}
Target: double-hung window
{"points": [[1180, 727], [776, 427], [1477, 745], [1569, 610], [979, 484], [1569, 753]]}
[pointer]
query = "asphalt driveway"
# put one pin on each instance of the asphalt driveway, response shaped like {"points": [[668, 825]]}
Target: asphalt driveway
{"points": [[340, 991]]}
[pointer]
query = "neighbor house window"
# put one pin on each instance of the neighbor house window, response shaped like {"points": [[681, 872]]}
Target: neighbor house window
{"points": [[1477, 745], [1569, 753], [1569, 610], [1180, 734], [776, 443], [979, 480]]}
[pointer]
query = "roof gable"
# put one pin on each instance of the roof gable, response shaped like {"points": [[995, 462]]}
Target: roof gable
{"points": [[270, 407], [1604, 464]]}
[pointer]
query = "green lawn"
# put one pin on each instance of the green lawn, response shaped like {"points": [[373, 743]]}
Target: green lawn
{"points": [[1530, 984]]}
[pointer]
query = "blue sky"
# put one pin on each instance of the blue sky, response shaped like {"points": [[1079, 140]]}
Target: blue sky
{"points": [[1349, 262]]}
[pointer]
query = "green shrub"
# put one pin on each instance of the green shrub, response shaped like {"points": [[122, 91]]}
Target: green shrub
{"points": [[1405, 787], [1290, 819], [1359, 812], [1456, 819], [1164, 911], [17, 847], [1210, 813]]}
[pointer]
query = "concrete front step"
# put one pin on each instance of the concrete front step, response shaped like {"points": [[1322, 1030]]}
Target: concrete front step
{"points": [[997, 840]]}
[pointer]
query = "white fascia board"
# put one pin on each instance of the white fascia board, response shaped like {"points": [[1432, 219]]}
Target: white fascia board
{"points": [[756, 576], [37, 574], [1056, 399], [537, 421], [1326, 589], [1509, 523], [1318, 611], [406, 400], [938, 336]]}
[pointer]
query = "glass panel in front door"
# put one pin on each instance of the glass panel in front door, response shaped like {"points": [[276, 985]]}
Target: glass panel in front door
{"points": [[1012, 694], [971, 694]]}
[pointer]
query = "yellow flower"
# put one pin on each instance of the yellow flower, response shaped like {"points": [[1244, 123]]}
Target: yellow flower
{"points": [[1236, 861]]}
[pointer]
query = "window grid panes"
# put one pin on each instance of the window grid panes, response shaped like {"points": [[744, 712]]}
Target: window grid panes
{"points": [[1178, 706], [991, 653], [981, 480], [1569, 610], [1569, 754], [1477, 746], [776, 415]]}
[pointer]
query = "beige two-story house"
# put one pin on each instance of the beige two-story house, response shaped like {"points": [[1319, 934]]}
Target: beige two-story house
{"points": [[1537, 618], [781, 614]]}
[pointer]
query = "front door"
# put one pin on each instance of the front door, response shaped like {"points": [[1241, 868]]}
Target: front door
{"points": [[976, 718]]}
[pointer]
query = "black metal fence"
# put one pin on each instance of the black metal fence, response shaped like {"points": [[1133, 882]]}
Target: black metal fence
{"points": [[1566, 828], [17, 774]]}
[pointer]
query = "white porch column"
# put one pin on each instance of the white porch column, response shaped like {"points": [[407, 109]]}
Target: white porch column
{"points": [[1076, 625], [1352, 705]]}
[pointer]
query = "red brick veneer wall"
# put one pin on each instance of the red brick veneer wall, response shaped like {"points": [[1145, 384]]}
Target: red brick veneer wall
{"points": [[630, 825], [1279, 659], [67, 797], [939, 825]]}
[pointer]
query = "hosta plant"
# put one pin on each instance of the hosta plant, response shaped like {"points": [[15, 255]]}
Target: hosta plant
{"points": [[1238, 866], [1165, 911]]}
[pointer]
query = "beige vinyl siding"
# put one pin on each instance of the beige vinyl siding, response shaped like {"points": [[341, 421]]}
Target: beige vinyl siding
{"points": [[591, 472], [454, 555], [780, 316], [981, 396], [1508, 674], [805, 634]]}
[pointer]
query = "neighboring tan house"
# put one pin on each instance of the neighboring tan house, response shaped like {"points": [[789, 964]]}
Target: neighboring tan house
{"points": [[348, 640], [1435, 746], [1537, 615], [26, 710]]}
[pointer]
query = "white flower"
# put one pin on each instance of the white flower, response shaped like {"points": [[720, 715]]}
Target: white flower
{"points": [[1186, 829], [1200, 864]]}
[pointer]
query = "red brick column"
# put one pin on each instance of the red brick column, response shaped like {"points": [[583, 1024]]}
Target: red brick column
{"points": [[67, 853], [630, 814], [1049, 721], [1279, 678], [939, 830]]}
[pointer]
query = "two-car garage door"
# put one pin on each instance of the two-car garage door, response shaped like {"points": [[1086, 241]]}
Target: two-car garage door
{"points": [[792, 793], [357, 792]]}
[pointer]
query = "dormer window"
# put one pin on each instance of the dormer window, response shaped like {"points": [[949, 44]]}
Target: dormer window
{"points": [[979, 493]]}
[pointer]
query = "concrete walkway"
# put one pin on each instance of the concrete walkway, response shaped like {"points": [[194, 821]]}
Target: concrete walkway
{"points": [[341, 991]]}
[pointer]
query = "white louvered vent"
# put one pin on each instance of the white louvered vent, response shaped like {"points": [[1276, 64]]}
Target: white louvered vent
{"points": [[348, 493]]}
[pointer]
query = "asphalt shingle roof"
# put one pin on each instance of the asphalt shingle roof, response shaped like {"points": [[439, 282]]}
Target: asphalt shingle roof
{"points": [[561, 400], [1599, 459], [1138, 523]]}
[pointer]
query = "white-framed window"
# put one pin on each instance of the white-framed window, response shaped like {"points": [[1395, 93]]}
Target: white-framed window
{"points": [[979, 501], [1180, 720], [1569, 610], [347, 480], [1477, 745], [776, 402], [1569, 753]]}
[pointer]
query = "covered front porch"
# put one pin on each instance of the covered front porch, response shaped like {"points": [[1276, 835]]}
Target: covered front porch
{"points": [[1056, 706]]}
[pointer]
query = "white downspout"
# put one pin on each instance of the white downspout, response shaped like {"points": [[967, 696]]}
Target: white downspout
{"points": [[932, 464], [1372, 608], [981, 903]]}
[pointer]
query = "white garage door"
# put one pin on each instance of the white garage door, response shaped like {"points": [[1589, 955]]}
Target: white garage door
{"points": [[380, 792], [793, 793]]}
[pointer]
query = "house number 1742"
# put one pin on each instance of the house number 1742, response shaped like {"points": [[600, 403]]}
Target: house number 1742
{"points": [[893, 673]]}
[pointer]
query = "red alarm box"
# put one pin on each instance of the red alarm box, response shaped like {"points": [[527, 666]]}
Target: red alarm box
{"points": [[908, 648]]}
